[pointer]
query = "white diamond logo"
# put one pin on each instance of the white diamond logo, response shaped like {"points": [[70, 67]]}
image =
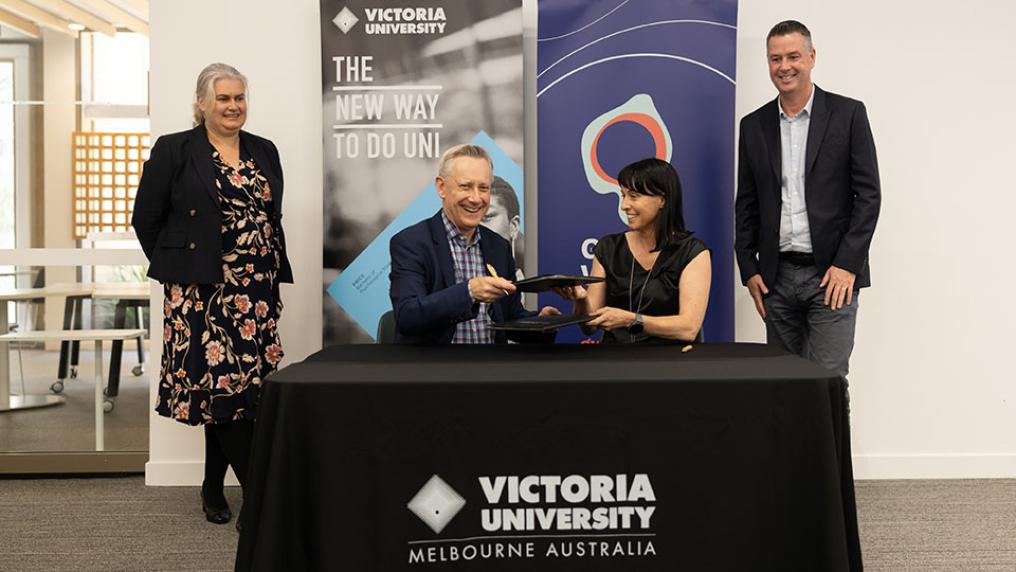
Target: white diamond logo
{"points": [[345, 20], [436, 504]]}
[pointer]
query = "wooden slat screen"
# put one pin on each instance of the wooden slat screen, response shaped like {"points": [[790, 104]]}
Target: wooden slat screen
{"points": [[106, 169]]}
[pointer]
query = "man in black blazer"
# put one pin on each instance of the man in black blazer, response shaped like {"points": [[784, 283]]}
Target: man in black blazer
{"points": [[442, 290], [807, 202]]}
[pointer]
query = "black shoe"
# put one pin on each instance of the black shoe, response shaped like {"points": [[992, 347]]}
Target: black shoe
{"points": [[214, 514], [238, 515]]}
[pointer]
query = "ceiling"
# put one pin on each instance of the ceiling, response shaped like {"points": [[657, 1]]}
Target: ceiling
{"points": [[70, 17]]}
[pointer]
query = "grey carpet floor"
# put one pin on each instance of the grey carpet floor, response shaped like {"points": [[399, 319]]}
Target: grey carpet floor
{"points": [[938, 526], [105, 524]]}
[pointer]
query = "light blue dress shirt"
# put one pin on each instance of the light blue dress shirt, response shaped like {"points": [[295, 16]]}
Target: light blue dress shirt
{"points": [[795, 233]]}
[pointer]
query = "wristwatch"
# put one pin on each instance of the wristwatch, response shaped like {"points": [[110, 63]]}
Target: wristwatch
{"points": [[636, 326]]}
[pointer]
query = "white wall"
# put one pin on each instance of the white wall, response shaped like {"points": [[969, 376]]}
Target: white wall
{"points": [[931, 393], [932, 390]]}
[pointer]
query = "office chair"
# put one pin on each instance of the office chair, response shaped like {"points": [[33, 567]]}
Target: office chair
{"points": [[386, 328]]}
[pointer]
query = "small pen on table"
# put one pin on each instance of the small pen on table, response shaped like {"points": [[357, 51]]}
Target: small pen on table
{"points": [[494, 274]]}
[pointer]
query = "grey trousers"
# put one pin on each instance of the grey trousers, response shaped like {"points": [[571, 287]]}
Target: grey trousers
{"points": [[798, 321]]}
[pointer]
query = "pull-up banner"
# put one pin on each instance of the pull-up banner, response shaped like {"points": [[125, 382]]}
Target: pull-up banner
{"points": [[401, 83], [623, 80]]}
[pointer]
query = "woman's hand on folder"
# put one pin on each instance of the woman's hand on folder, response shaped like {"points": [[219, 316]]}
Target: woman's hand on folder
{"points": [[549, 311], [571, 292], [610, 318]]}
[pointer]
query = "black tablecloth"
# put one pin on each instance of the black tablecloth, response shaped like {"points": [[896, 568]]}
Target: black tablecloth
{"points": [[741, 455]]}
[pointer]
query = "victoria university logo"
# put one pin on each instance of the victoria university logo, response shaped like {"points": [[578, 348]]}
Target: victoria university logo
{"points": [[536, 517], [397, 21], [436, 504], [345, 20]]}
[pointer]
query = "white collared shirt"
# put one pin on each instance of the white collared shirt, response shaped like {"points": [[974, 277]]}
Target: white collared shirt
{"points": [[795, 233]]}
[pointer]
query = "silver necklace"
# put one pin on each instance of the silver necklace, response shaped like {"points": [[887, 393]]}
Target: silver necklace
{"points": [[642, 291]]}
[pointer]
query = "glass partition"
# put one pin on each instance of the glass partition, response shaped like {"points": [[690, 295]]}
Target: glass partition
{"points": [[65, 284], [7, 174]]}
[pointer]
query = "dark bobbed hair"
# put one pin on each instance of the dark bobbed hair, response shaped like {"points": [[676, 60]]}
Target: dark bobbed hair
{"points": [[657, 178], [502, 191]]}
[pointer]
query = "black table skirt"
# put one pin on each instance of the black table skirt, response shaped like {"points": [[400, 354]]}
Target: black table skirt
{"points": [[746, 450]]}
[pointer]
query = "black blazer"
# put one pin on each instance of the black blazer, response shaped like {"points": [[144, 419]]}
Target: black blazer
{"points": [[428, 303], [176, 213], [842, 188]]}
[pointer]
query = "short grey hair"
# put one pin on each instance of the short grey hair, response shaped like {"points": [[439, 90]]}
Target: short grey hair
{"points": [[205, 88], [464, 150]]}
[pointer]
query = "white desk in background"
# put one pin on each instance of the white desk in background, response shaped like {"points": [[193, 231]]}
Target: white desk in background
{"points": [[125, 292], [97, 336], [16, 273], [7, 401]]}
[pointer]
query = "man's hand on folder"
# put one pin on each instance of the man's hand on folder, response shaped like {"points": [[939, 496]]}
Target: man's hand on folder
{"points": [[490, 288]]}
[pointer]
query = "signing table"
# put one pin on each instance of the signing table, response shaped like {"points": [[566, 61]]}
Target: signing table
{"points": [[584, 457]]}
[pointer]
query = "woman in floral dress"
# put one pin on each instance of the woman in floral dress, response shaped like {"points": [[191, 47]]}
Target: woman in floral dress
{"points": [[207, 216]]}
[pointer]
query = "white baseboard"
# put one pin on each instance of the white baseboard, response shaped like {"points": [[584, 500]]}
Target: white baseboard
{"points": [[956, 466], [180, 474]]}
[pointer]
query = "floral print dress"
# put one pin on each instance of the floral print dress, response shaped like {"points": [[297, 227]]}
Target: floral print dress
{"points": [[221, 340]]}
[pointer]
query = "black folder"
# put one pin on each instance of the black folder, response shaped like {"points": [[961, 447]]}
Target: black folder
{"points": [[545, 282], [542, 324]]}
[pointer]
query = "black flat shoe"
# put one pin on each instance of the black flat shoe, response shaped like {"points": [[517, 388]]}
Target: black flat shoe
{"points": [[214, 514]]}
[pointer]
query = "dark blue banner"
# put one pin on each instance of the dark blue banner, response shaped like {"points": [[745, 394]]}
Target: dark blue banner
{"points": [[619, 81]]}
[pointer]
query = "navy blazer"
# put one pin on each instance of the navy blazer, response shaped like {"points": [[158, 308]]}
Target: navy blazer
{"points": [[177, 217], [428, 303], [841, 187]]}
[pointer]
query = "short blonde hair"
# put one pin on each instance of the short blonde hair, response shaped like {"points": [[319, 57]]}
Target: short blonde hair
{"points": [[205, 88], [464, 150]]}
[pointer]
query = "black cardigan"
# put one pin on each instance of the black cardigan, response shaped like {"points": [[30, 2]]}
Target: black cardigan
{"points": [[177, 216]]}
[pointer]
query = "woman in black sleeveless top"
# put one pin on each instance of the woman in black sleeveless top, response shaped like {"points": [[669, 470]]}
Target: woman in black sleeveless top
{"points": [[657, 275]]}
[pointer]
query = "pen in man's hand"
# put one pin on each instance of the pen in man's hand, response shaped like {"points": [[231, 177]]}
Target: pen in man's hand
{"points": [[494, 274]]}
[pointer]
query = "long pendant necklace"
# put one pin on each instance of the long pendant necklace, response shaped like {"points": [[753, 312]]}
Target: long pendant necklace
{"points": [[642, 291]]}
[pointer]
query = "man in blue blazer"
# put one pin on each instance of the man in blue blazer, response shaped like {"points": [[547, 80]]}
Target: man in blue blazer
{"points": [[808, 197], [441, 288]]}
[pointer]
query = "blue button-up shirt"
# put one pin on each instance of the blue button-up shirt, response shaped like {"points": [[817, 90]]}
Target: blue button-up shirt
{"points": [[795, 234], [468, 261]]}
